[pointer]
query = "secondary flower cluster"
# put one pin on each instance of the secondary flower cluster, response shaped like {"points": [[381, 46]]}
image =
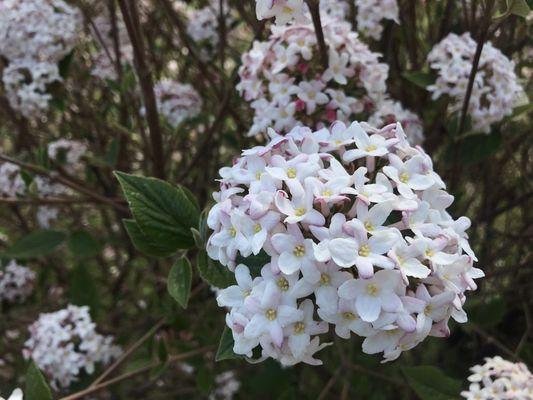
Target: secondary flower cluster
{"points": [[11, 182], [354, 225], [203, 24], [498, 379], [105, 31], [176, 101], [34, 36], [64, 343], [287, 85], [496, 87], [16, 282], [370, 13], [283, 10], [227, 386], [66, 153]]}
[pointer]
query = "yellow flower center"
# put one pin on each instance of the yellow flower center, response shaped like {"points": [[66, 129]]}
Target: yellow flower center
{"points": [[246, 293], [283, 284], [369, 226], [232, 231], [370, 148], [257, 228], [338, 142], [325, 279], [300, 211], [287, 10], [271, 314], [311, 95], [428, 309], [404, 177], [392, 332], [326, 193], [348, 315], [372, 289], [291, 173], [430, 253], [364, 250], [258, 175], [299, 328], [299, 250]]}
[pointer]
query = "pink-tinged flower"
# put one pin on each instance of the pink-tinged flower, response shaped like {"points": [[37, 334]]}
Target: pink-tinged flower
{"points": [[300, 207], [406, 259], [300, 332], [374, 294], [270, 315], [367, 146], [408, 176], [312, 94], [346, 320], [436, 309], [233, 296], [295, 253], [338, 69]]}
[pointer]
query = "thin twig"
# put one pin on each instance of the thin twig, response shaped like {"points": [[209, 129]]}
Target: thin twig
{"points": [[330, 384], [491, 339], [314, 9], [128, 375], [129, 352], [89, 192]]}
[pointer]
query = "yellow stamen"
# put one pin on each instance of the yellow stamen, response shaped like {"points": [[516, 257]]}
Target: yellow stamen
{"points": [[364, 250], [325, 279], [271, 314], [283, 284], [291, 173], [299, 250], [300, 211], [372, 289], [299, 328], [404, 177]]}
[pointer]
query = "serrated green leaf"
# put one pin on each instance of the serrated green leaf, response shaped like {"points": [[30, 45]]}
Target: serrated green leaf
{"points": [[213, 272], [419, 78], [164, 213], [144, 244], [179, 281], [36, 386], [36, 244], [430, 383], [82, 245], [225, 346], [518, 7]]}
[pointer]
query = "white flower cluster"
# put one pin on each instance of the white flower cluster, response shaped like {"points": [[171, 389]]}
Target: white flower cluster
{"points": [[176, 101], [65, 342], [498, 379], [284, 11], [105, 60], [68, 153], [286, 85], [353, 221], [16, 282], [34, 36], [11, 182], [227, 386], [203, 24], [370, 13], [496, 87]]}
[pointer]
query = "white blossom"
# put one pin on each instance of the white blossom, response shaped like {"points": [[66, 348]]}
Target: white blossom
{"points": [[496, 88], [357, 234], [177, 102], [497, 378], [11, 182], [63, 344], [16, 282], [370, 13], [16, 395]]}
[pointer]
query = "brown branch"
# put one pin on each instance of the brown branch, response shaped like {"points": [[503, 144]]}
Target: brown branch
{"points": [[54, 200], [131, 20], [139, 371], [89, 192], [128, 352], [314, 9]]}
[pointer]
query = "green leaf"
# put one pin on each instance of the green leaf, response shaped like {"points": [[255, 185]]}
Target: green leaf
{"points": [[475, 147], [83, 290], [36, 244], [213, 272], [179, 281], [144, 244], [164, 213], [419, 78], [254, 263], [487, 314], [430, 383], [82, 245], [518, 7], [36, 386], [225, 346]]}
